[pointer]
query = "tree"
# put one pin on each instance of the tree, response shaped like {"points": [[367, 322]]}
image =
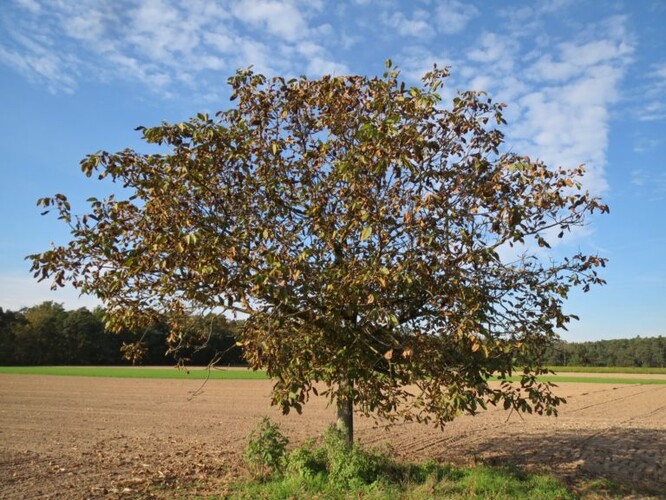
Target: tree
{"points": [[358, 223], [9, 321], [86, 341], [40, 339]]}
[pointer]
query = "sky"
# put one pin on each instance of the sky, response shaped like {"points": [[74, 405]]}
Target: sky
{"points": [[584, 81]]}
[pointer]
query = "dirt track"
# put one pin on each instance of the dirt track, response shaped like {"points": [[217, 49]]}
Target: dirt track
{"points": [[71, 437]]}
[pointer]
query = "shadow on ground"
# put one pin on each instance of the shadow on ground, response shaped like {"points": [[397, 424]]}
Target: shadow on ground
{"points": [[634, 459]]}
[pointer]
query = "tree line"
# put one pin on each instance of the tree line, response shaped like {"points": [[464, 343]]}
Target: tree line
{"points": [[639, 352], [47, 334]]}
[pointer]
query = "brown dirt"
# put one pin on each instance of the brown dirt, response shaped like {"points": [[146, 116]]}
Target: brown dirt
{"points": [[77, 437]]}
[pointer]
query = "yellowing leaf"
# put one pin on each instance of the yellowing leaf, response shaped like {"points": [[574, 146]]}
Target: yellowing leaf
{"points": [[371, 299], [366, 233], [388, 354]]}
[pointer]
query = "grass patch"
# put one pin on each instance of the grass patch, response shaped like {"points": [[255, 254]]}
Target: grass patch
{"points": [[335, 470], [610, 369], [592, 380], [135, 372], [243, 374]]}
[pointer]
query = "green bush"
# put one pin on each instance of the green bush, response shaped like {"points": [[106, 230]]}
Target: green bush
{"points": [[348, 464], [307, 461], [266, 448]]}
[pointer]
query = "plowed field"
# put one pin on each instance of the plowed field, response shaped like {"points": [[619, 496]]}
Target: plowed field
{"points": [[76, 437]]}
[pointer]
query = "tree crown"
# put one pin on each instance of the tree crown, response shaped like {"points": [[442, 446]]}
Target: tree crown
{"points": [[357, 222]]}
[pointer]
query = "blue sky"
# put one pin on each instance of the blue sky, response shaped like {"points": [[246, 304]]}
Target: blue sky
{"points": [[584, 80]]}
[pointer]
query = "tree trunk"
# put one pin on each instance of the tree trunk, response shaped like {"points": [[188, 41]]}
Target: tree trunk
{"points": [[345, 421]]}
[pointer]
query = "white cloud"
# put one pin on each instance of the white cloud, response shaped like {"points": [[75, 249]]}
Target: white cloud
{"points": [[222, 42], [645, 144], [494, 50], [318, 61], [652, 185], [659, 71], [652, 105], [417, 26], [31, 5], [39, 64], [453, 16], [559, 101], [320, 66], [257, 54], [89, 27], [638, 177], [169, 46], [281, 19]]}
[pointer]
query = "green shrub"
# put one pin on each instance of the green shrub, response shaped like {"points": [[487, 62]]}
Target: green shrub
{"points": [[307, 461], [266, 448], [348, 464]]}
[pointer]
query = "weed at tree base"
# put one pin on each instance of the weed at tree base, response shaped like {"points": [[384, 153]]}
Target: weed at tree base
{"points": [[336, 469]]}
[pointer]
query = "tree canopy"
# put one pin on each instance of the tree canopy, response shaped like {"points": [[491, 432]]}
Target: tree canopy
{"points": [[357, 222]]}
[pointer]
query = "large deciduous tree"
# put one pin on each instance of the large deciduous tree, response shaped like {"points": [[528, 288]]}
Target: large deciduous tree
{"points": [[358, 223]]}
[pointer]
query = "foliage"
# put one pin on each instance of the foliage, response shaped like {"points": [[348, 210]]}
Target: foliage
{"points": [[266, 448], [636, 352], [47, 334], [336, 469], [344, 463], [9, 323], [358, 223]]}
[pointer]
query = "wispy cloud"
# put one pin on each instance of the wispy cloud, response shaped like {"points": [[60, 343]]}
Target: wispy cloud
{"points": [[453, 16], [653, 95], [417, 26], [560, 87], [559, 99], [167, 45], [652, 186], [644, 144], [560, 96], [282, 19]]}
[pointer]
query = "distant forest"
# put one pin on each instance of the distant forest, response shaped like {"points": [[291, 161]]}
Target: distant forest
{"points": [[47, 334], [639, 351]]}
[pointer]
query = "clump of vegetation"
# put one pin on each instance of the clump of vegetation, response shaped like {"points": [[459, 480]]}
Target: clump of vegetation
{"points": [[341, 462], [333, 468], [266, 449]]}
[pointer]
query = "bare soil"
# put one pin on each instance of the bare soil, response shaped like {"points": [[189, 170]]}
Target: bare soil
{"points": [[77, 437]]}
